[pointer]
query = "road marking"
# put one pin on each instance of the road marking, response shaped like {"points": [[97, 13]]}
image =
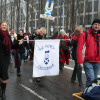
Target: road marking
{"points": [[33, 92], [73, 69]]}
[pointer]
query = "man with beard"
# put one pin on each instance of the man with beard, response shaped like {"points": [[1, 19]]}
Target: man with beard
{"points": [[92, 52]]}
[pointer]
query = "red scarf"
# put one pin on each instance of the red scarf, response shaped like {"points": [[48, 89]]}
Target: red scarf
{"points": [[6, 41], [60, 37], [76, 37]]}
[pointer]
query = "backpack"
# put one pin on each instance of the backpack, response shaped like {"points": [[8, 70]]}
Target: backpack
{"points": [[84, 47], [86, 34], [93, 91]]}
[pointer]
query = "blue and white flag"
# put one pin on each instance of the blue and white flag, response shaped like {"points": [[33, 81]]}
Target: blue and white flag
{"points": [[48, 10], [46, 58]]}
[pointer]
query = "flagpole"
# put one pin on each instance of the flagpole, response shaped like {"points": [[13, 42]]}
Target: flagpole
{"points": [[45, 39]]}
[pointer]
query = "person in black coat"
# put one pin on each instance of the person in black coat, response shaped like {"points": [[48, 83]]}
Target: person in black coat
{"points": [[5, 46], [77, 69], [19, 44]]}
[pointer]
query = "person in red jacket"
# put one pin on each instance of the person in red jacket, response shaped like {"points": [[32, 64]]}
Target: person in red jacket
{"points": [[91, 61], [63, 51]]}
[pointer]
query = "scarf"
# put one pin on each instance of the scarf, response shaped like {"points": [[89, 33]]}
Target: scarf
{"points": [[76, 37], [6, 41], [27, 38], [17, 59]]}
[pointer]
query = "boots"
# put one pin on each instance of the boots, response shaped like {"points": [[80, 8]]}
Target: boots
{"points": [[18, 72], [61, 66], [3, 87], [3, 97]]}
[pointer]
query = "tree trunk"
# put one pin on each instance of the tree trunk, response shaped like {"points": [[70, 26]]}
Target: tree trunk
{"points": [[32, 17], [5, 9], [27, 16], [73, 14], [1, 10], [11, 14], [18, 16], [84, 13]]}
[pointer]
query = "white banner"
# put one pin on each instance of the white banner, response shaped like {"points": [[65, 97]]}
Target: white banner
{"points": [[46, 58]]}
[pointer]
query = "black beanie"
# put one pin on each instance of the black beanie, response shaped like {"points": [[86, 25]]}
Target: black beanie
{"points": [[96, 21]]}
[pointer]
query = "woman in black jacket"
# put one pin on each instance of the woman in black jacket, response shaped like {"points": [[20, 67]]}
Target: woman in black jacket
{"points": [[77, 69], [5, 47]]}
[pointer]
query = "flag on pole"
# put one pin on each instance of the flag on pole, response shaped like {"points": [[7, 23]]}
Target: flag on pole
{"points": [[46, 58]]}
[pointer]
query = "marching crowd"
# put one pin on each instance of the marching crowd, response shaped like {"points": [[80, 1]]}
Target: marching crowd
{"points": [[84, 46]]}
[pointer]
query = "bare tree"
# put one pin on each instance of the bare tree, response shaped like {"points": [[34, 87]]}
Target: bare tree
{"points": [[72, 10], [14, 15], [32, 17], [5, 9], [67, 2], [11, 14], [78, 7], [1, 10], [18, 12], [27, 16], [41, 11], [84, 18]]}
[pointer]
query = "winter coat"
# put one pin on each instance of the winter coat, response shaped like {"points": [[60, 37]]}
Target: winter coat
{"points": [[21, 48], [74, 43], [63, 52], [38, 37], [92, 51], [4, 58]]}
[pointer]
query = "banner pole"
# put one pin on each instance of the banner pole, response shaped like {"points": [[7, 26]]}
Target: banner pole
{"points": [[46, 39]]}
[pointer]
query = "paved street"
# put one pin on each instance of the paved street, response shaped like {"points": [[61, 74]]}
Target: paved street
{"points": [[50, 88], [47, 30]]}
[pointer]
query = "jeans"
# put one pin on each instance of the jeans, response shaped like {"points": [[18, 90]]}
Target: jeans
{"points": [[26, 54], [61, 66], [21, 56], [91, 71], [77, 71], [11, 55]]}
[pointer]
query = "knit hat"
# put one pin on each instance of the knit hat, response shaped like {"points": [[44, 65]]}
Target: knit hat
{"points": [[96, 21]]}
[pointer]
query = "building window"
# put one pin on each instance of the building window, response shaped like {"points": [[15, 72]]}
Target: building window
{"points": [[56, 3], [60, 21], [60, 11], [80, 9], [81, 20], [96, 5], [55, 12], [89, 7], [88, 19], [95, 16], [31, 23]]}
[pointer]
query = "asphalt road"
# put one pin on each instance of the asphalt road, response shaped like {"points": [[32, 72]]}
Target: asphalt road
{"points": [[49, 88]]}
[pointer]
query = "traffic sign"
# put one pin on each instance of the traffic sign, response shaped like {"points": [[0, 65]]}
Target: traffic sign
{"points": [[47, 17]]}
